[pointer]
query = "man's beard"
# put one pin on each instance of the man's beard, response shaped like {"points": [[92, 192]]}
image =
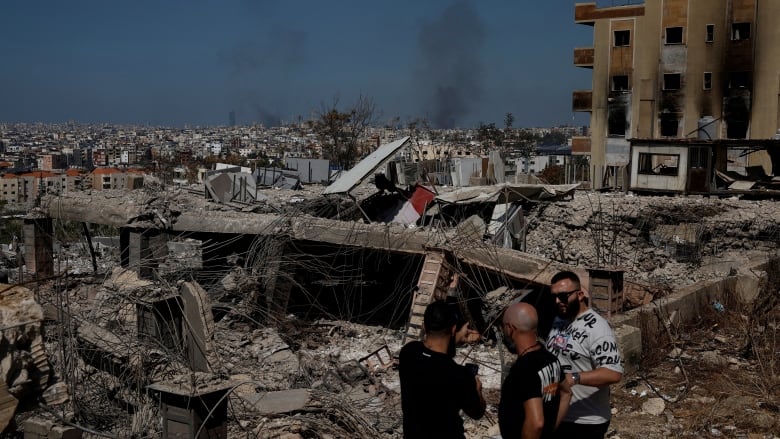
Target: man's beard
{"points": [[509, 343], [572, 309]]}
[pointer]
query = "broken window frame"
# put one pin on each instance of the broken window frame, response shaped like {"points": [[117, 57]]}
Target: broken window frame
{"points": [[669, 81], [620, 83], [651, 163], [709, 33], [740, 31], [621, 38], [707, 81], [672, 32]]}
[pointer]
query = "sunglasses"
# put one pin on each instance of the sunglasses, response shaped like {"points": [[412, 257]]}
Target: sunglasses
{"points": [[563, 297]]}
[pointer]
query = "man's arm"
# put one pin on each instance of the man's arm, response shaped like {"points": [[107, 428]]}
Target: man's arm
{"points": [[534, 419], [596, 378], [476, 411], [564, 390], [467, 335]]}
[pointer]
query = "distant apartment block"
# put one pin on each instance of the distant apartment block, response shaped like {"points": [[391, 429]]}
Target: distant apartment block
{"points": [[678, 70], [26, 187], [10, 192], [51, 162], [113, 178], [99, 157], [537, 164]]}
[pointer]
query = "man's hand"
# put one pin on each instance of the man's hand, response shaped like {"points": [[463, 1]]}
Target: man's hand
{"points": [[467, 335], [566, 384]]}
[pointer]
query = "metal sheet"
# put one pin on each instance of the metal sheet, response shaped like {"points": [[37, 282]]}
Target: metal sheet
{"points": [[348, 180], [507, 193]]}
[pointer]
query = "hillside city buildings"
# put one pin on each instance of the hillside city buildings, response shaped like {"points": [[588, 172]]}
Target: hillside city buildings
{"points": [[666, 72], [38, 159]]}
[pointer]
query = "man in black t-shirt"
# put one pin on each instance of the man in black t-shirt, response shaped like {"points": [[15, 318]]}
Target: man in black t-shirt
{"points": [[433, 387], [533, 396]]}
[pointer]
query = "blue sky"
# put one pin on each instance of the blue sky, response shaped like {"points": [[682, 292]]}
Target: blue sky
{"points": [[176, 62]]}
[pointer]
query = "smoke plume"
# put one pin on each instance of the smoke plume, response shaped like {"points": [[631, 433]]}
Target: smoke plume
{"points": [[450, 72]]}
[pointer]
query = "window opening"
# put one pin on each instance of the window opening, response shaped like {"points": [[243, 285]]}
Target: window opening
{"points": [[740, 31], [620, 83], [622, 38], [658, 164], [707, 80], [710, 35], [669, 124], [674, 35], [739, 80], [672, 81]]}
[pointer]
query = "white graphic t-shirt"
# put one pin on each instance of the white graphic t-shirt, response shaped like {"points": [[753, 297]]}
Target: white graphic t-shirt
{"points": [[586, 343]]}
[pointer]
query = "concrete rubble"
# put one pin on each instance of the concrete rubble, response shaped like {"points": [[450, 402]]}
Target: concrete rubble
{"points": [[277, 322]]}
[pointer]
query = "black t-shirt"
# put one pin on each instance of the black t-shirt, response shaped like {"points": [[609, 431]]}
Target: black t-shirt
{"points": [[534, 375], [433, 391]]}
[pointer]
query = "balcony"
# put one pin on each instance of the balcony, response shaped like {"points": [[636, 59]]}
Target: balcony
{"points": [[588, 13], [582, 100], [583, 57], [580, 145]]}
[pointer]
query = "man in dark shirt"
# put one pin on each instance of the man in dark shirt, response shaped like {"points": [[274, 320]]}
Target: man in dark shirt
{"points": [[433, 387], [533, 400]]}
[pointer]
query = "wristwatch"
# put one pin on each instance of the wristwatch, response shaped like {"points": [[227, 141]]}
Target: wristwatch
{"points": [[575, 376]]}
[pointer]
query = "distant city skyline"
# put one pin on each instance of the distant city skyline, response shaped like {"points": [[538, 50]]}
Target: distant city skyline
{"points": [[456, 63]]}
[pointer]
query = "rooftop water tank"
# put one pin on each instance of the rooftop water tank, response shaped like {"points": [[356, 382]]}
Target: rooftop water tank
{"points": [[706, 129]]}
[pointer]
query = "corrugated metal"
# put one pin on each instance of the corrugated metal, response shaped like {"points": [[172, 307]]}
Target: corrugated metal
{"points": [[366, 167]]}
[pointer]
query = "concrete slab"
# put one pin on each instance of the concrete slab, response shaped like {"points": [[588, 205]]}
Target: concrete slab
{"points": [[283, 401], [198, 327], [7, 406]]}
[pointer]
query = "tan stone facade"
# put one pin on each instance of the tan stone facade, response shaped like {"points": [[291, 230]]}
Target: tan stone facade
{"points": [[676, 69]]}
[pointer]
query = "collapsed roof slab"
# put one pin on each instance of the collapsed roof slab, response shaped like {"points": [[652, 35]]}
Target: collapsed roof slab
{"points": [[99, 209]]}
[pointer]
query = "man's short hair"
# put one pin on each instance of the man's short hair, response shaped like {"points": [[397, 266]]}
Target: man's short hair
{"points": [[563, 275], [439, 317]]}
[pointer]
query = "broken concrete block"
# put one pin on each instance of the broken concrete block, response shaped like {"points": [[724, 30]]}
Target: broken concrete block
{"points": [[24, 366], [7, 406], [472, 228], [654, 406], [198, 327], [283, 401], [63, 432], [126, 281], [56, 394], [37, 426]]}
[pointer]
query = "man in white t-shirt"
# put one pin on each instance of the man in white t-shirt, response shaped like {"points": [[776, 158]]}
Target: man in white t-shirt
{"points": [[587, 349]]}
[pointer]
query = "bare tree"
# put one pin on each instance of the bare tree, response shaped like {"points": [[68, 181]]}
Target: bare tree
{"points": [[509, 120], [489, 136], [419, 130], [341, 132]]}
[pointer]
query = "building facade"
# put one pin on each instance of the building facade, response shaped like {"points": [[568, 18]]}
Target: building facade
{"points": [[678, 69]]}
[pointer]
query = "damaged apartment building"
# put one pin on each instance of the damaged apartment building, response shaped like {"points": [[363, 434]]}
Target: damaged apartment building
{"points": [[685, 95]]}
